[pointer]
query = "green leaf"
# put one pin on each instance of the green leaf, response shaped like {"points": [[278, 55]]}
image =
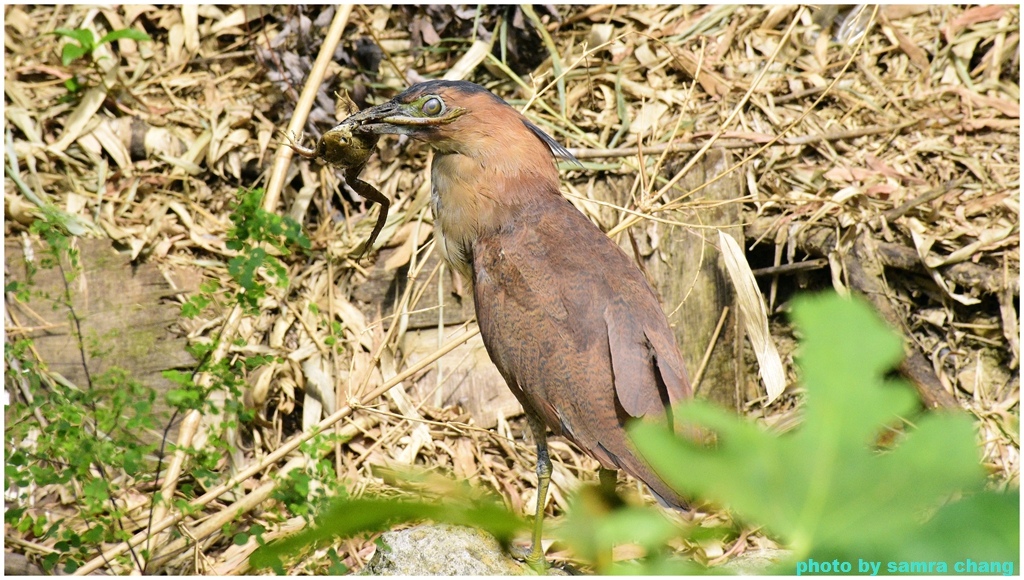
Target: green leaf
{"points": [[83, 36], [592, 528], [243, 268], [130, 33], [73, 86], [983, 527], [183, 398], [337, 567], [49, 561], [826, 490], [72, 52], [93, 535], [96, 490], [181, 378]]}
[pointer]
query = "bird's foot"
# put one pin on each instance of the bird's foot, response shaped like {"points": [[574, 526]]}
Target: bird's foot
{"points": [[533, 556]]}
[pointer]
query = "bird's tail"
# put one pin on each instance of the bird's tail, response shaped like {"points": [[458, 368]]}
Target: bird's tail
{"points": [[661, 491], [638, 467]]}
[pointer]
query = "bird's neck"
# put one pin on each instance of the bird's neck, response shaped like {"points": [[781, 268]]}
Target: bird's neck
{"points": [[474, 193]]}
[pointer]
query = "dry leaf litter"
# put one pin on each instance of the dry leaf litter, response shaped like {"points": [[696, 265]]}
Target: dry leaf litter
{"points": [[898, 128]]}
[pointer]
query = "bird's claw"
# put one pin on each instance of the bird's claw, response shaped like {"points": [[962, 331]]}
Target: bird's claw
{"points": [[533, 556]]}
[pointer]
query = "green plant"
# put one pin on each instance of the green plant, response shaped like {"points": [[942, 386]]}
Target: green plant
{"points": [[830, 491], [259, 237], [84, 440], [595, 523], [253, 228], [83, 43]]}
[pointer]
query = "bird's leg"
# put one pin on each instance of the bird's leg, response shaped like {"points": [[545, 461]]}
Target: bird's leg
{"points": [[536, 556], [373, 194], [607, 478]]}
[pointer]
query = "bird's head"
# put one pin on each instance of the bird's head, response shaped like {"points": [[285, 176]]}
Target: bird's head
{"points": [[458, 117]]}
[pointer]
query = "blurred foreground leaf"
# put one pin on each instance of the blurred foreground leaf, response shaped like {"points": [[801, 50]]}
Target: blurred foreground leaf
{"points": [[827, 490], [350, 517], [594, 524]]}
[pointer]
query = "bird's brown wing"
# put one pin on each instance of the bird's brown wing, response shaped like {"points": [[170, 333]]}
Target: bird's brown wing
{"points": [[573, 326], [645, 361]]}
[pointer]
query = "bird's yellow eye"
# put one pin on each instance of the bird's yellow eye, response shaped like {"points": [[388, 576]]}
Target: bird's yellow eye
{"points": [[432, 106]]}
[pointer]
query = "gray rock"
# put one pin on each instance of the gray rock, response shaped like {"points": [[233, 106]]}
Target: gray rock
{"points": [[441, 550], [754, 562]]}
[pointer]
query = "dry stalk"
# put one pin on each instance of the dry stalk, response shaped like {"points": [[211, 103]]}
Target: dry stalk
{"points": [[305, 103]]}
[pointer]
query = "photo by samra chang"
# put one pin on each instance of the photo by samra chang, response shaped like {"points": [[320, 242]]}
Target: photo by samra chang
{"points": [[967, 566]]}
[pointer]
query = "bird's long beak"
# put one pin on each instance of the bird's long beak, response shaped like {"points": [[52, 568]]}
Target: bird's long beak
{"points": [[397, 118]]}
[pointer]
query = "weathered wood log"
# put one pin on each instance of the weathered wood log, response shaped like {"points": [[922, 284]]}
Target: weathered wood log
{"points": [[125, 321], [687, 269], [384, 287]]}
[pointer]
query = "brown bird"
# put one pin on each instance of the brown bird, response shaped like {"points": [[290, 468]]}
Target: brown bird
{"points": [[566, 316]]}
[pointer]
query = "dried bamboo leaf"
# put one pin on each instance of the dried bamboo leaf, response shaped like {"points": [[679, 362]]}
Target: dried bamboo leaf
{"points": [[755, 317]]}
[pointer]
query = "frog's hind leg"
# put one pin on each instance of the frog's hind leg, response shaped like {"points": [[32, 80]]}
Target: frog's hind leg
{"points": [[374, 195]]}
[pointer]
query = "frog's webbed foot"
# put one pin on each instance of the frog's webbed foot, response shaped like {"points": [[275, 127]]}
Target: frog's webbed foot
{"points": [[296, 144], [373, 194]]}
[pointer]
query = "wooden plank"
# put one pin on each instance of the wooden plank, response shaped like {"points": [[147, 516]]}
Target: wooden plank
{"points": [[467, 377], [383, 288], [691, 258], [124, 320]]}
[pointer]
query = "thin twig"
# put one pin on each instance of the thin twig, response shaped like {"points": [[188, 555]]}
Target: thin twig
{"points": [[790, 268], [707, 352], [924, 198]]}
